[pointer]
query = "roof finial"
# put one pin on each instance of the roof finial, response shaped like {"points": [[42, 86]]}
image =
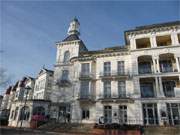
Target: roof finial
{"points": [[74, 27]]}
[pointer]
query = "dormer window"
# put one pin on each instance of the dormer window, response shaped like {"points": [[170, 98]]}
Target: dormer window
{"points": [[66, 56]]}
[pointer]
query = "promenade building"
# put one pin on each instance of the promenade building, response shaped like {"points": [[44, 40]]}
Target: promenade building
{"points": [[135, 84]]}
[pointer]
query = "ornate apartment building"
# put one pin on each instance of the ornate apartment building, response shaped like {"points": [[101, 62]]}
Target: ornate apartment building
{"points": [[135, 84]]}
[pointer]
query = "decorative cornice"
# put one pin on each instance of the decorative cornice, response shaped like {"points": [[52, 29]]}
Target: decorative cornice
{"points": [[153, 30]]}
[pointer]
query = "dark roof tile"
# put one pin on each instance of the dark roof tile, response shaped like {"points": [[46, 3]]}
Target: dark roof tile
{"points": [[71, 38]]}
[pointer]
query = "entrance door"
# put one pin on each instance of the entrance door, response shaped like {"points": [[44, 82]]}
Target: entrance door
{"points": [[122, 114], [107, 114], [64, 113], [173, 110]]}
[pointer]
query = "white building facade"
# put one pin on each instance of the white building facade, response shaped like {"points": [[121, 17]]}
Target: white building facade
{"points": [[134, 84]]}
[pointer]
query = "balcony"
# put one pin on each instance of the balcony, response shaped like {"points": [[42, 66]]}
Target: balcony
{"points": [[171, 86], [167, 69], [145, 64], [86, 76], [86, 97], [143, 43], [122, 98], [63, 83], [167, 63], [163, 40], [145, 71], [113, 75]]}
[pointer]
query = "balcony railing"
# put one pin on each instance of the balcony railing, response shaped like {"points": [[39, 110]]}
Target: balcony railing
{"points": [[116, 97], [123, 95], [86, 97], [145, 71], [169, 93], [63, 82], [86, 75], [113, 74], [166, 69]]}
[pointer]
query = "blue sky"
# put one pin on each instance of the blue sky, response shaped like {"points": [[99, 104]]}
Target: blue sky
{"points": [[29, 30]]}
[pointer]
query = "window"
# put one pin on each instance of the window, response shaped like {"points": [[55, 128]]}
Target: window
{"points": [[173, 112], [84, 89], [122, 114], [144, 67], [16, 112], [85, 113], [107, 114], [66, 57], [120, 67], [39, 111], [147, 90], [121, 88], [143, 43], [150, 114], [163, 40], [65, 74], [166, 66], [85, 69], [25, 113], [168, 88], [107, 68], [107, 89]]}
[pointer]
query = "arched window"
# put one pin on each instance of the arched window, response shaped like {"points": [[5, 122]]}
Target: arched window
{"points": [[66, 56], [25, 112], [39, 111]]}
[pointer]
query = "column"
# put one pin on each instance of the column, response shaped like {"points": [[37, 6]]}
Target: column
{"points": [[158, 67], [161, 93], [153, 40], [132, 42], [174, 38], [154, 66], [177, 64], [157, 86]]}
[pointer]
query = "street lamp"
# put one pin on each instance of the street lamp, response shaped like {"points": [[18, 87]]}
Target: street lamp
{"points": [[27, 89]]}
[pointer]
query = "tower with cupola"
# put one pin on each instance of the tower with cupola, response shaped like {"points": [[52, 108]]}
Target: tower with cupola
{"points": [[65, 73]]}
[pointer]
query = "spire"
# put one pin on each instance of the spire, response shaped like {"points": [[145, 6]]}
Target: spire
{"points": [[74, 27]]}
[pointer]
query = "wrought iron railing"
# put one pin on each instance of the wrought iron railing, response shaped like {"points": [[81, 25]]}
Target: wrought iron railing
{"points": [[113, 73], [86, 75]]}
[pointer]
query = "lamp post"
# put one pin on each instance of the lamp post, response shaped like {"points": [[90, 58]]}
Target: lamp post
{"points": [[26, 93]]}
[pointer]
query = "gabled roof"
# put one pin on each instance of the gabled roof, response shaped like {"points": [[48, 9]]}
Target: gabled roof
{"points": [[44, 70], [8, 90], [22, 82], [15, 86], [71, 38]]}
